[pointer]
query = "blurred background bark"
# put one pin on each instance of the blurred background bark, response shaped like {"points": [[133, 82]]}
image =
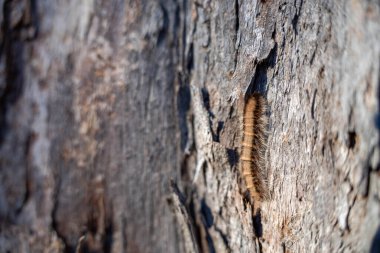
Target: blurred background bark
{"points": [[120, 125]]}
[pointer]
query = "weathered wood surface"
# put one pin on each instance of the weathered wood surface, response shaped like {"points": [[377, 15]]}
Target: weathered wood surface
{"points": [[102, 103]]}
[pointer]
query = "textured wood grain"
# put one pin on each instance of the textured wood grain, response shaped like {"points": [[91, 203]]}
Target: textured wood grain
{"points": [[317, 64], [90, 136], [103, 102]]}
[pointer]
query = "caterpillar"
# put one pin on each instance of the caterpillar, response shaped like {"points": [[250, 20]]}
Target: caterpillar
{"points": [[253, 146]]}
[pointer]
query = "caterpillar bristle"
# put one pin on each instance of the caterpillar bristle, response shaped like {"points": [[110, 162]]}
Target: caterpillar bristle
{"points": [[253, 146]]}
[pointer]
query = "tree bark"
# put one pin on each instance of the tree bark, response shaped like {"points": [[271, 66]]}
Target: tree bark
{"points": [[121, 125]]}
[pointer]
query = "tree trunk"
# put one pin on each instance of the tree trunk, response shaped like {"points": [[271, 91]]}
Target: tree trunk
{"points": [[121, 125]]}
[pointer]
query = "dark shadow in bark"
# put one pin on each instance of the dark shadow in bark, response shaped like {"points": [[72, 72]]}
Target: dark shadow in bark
{"points": [[208, 218], [257, 224], [375, 247], [183, 106], [208, 221], [259, 81], [233, 156]]}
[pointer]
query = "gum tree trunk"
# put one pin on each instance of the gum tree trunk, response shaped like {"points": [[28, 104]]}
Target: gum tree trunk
{"points": [[120, 125]]}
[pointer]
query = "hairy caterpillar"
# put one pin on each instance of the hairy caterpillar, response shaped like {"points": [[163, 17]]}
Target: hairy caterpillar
{"points": [[253, 146]]}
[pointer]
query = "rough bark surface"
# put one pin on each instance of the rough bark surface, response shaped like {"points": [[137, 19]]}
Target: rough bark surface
{"points": [[120, 125]]}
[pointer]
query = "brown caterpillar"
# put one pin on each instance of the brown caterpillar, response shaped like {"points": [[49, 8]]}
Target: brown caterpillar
{"points": [[253, 146]]}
